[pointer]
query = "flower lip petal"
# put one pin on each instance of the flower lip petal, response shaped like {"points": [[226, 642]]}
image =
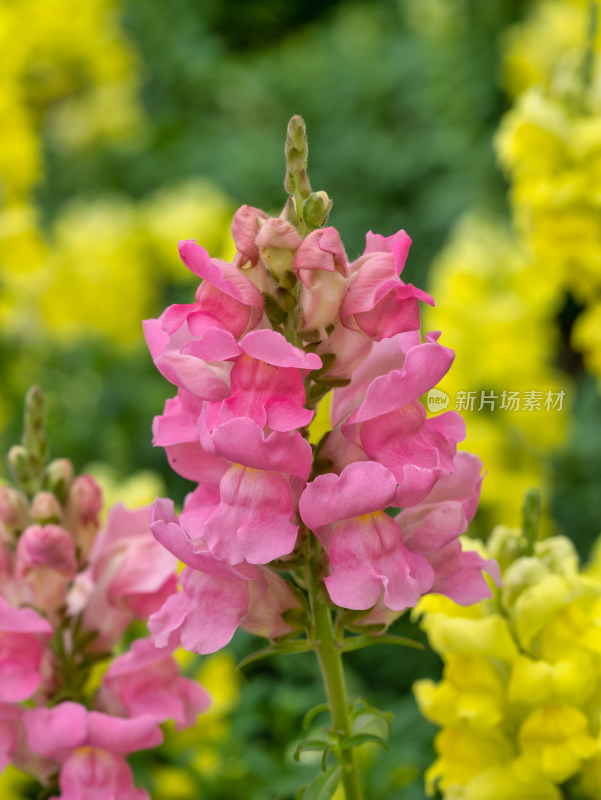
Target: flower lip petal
{"points": [[361, 488], [196, 258], [271, 347], [242, 441]]}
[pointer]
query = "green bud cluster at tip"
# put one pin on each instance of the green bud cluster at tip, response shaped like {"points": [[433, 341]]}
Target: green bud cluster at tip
{"points": [[304, 209]]}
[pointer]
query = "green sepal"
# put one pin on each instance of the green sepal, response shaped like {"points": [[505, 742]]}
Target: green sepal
{"points": [[361, 641], [361, 738]]}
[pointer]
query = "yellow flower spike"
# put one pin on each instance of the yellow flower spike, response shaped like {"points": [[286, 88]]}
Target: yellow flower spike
{"points": [[535, 682], [463, 754], [555, 740], [494, 302]]}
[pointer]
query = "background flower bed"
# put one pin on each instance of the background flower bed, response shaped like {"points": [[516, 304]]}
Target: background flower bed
{"points": [[128, 129]]}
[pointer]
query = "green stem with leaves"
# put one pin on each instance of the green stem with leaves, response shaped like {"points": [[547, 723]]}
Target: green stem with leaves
{"points": [[330, 662]]}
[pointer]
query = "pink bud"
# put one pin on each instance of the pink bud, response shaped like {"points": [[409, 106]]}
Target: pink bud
{"points": [[13, 513], [46, 562], [322, 267], [45, 508], [278, 241], [245, 227], [82, 510]]}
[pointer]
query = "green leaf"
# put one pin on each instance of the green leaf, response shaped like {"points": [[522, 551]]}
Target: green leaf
{"points": [[361, 738], [314, 712], [310, 745], [323, 786]]}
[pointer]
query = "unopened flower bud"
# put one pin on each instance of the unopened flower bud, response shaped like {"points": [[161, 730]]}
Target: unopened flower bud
{"points": [[82, 512], [45, 508], [505, 545], [57, 477], [524, 572], [13, 513], [245, 227], [18, 462], [46, 561], [316, 209], [278, 241]]}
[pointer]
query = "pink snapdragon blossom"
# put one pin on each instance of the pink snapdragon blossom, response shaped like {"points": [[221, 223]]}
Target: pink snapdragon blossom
{"points": [[377, 301], [24, 636], [147, 680], [216, 597], [251, 481], [129, 576], [89, 747], [365, 546], [227, 306], [433, 529]]}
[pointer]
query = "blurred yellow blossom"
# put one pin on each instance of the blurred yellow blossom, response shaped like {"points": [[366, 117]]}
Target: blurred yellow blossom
{"points": [[497, 314]]}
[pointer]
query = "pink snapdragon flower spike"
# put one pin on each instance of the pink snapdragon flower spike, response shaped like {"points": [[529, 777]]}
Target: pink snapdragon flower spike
{"points": [[24, 636], [69, 589], [146, 681], [278, 534]]}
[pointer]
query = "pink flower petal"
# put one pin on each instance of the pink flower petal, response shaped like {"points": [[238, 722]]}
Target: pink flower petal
{"points": [[253, 521], [243, 442], [271, 347], [361, 488], [366, 556]]}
